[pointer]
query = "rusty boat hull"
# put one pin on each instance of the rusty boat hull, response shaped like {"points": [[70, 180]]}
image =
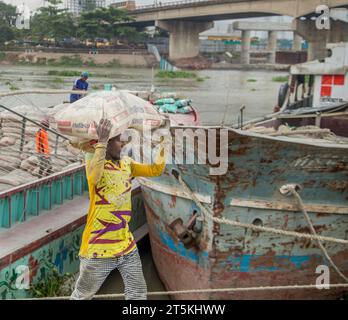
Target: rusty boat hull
{"points": [[224, 256]]}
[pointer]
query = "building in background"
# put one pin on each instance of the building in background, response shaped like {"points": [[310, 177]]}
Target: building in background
{"points": [[23, 17], [76, 7]]}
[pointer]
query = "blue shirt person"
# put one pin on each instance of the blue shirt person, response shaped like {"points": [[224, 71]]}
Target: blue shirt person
{"points": [[80, 84]]}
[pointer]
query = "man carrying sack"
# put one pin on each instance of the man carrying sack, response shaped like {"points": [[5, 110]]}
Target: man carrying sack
{"points": [[107, 242]]}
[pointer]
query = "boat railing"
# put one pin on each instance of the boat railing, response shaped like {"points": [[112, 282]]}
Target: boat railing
{"points": [[25, 120], [31, 199]]}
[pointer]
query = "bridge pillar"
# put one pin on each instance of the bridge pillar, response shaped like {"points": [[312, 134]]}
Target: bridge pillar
{"points": [[318, 38], [297, 42], [183, 36], [245, 46], [272, 46]]}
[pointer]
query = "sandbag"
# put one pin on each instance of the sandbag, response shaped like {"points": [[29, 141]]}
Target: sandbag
{"points": [[15, 162], [122, 108], [161, 102], [7, 141], [17, 177], [183, 103], [5, 186], [172, 108], [184, 110], [29, 146], [30, 111], [5, 165], [33, 160]]}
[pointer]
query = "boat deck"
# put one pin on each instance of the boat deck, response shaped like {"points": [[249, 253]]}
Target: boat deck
{"points": [[34, 233]]}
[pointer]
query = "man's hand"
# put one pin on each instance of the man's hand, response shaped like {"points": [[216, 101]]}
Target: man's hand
{"points": [[103, 130]]}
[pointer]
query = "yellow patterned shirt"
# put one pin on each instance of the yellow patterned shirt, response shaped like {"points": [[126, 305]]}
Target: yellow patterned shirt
{"points": [[107, 232]]}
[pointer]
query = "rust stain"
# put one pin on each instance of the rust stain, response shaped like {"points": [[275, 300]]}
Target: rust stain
{"points": [[158, 203], [263, 160], [309, 184], [173, 203], [340, 186], [317, 228], [286, 221]]}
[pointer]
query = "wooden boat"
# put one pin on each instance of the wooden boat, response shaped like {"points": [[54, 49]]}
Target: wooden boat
{"points": [[41, 224], [192, 251]]}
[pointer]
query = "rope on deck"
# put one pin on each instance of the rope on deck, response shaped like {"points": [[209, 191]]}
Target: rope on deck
{"points": [[192, 291], [207, 213]]}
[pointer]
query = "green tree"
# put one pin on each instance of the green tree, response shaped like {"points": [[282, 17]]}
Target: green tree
{"points": [[7, 20], [104, 23], [89, 5], [52, 23]]}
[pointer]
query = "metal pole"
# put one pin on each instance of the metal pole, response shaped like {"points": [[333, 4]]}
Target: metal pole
{"points": [[56, 145], [241, 116], [25, 205], [9, 212], [22, 134]]}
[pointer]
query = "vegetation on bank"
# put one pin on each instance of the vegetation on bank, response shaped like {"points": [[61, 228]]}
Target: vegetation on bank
{"points": [[64, 73], [251, 80], [280, 79], [66, 61], [53, 25], [178, 75], [11, 86], [54, 285]]}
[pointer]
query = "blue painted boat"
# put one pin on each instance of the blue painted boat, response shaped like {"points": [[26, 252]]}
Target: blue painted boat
{"points": [[223, 256], [193, 252]]}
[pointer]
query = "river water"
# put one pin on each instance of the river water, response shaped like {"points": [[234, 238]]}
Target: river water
{"points": [[222, 92]]}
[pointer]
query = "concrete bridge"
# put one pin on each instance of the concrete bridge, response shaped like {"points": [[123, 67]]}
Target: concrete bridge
{"points": [[272, 27], [184, 20]]}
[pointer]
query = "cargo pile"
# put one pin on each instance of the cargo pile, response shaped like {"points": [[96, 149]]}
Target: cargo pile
{"points": [[19, 161], [171, 105]]}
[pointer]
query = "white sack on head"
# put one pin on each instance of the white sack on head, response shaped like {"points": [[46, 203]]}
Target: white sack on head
{"points": [[122, 108]]}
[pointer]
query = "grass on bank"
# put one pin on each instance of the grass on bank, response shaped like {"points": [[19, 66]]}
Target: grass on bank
{"points": [[58, 80], [178, 75], [11, 86], [280, 79], [68, 61], [64, 73]]}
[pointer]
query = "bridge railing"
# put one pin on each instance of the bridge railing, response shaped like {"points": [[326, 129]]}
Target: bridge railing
{"points": [[159, 4]]}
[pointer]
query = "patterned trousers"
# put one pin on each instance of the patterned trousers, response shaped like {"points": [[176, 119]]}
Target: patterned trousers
{"points": [[93, 273]]}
